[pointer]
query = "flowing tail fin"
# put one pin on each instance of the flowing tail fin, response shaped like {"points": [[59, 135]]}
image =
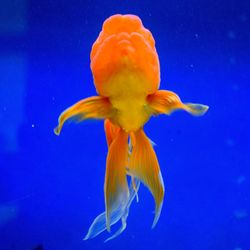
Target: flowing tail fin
{"points": [[120, 213], [116, 187], [165, 102], [144, 165], [118, 208], [95, 107]]}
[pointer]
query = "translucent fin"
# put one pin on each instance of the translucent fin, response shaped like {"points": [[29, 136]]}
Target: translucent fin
{"points": [[95, 107], [116, 188], [144, 165], [133, 189], [99, 223], [152, 143], [196, 109], [133, 181], [166, 102], [121, 229]]}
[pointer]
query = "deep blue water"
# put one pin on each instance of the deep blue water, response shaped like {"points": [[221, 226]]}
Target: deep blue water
{"points": [[51, 188]]}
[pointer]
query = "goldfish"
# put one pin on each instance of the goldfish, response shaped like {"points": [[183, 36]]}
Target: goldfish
{"points": [[126, 75]]}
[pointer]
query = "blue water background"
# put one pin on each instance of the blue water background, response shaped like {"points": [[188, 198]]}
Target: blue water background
{"points": [[51, 188]]}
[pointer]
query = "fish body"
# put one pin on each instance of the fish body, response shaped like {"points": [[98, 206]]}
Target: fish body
{"points": [[126, 74]]}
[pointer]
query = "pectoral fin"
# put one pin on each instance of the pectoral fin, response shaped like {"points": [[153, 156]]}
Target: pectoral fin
{"points": [[143, 164], [165, 102], [95, 107]]}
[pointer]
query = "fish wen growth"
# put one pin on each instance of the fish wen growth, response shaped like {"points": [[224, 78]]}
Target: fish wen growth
{"points": [[126, 73]]}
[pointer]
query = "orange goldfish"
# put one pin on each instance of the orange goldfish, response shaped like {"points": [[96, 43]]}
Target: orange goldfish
{"points": [[126, 73]]}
